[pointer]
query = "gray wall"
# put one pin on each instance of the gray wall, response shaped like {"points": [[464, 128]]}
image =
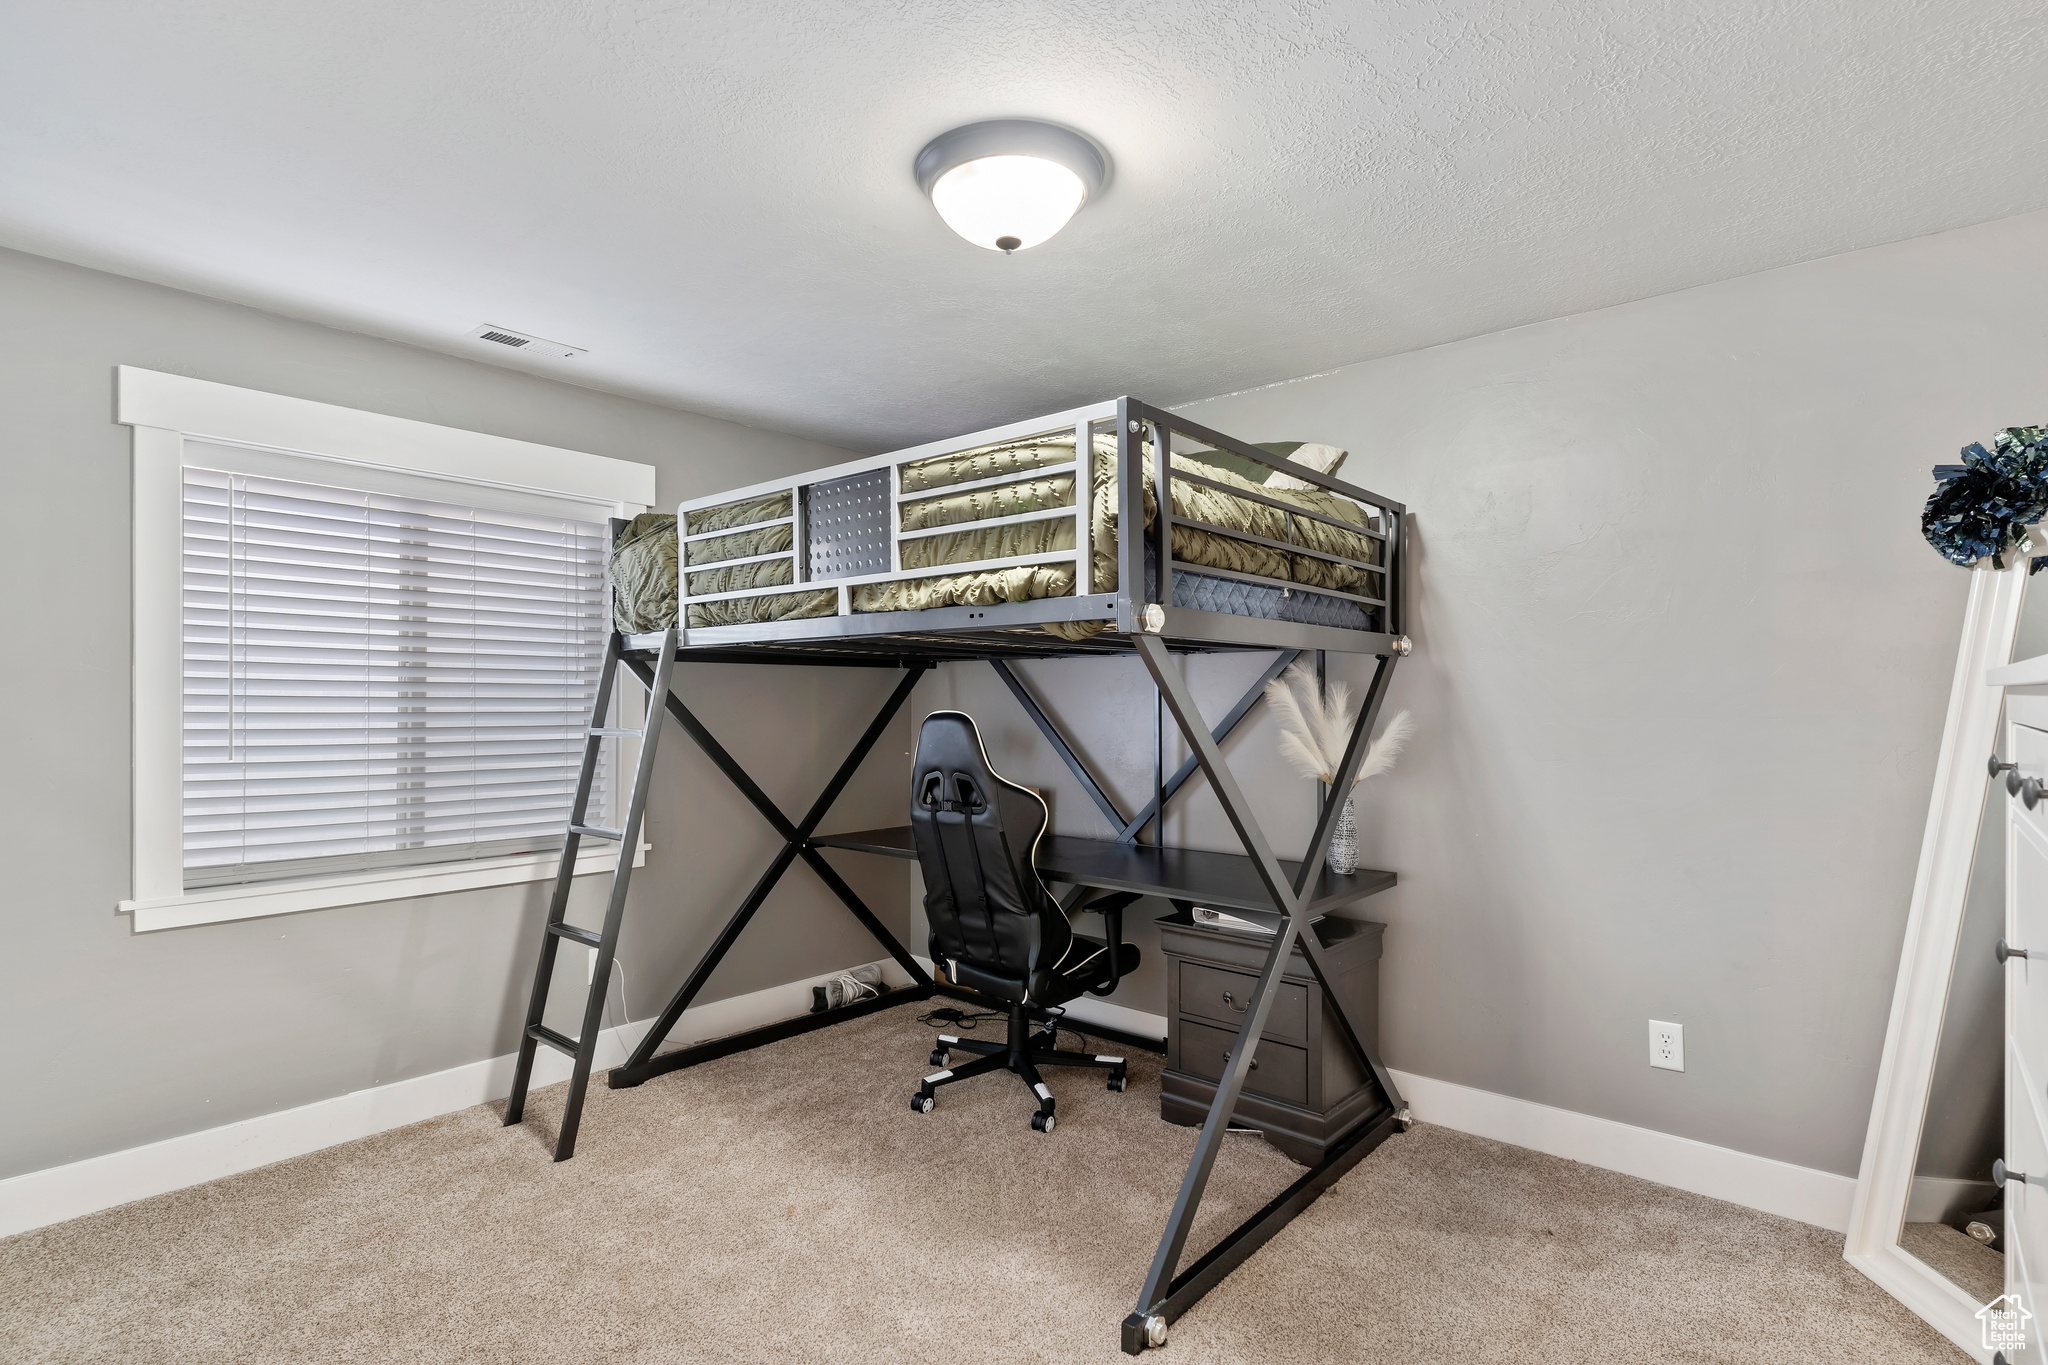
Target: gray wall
{"points": [[116, 1039], [1681, 662], [1682, 657]]}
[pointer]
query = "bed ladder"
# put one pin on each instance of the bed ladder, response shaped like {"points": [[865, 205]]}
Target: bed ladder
{"points": [[583, 1047]]}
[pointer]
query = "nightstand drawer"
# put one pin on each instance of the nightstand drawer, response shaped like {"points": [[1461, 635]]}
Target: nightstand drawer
{"points": [[1213, 993], [1277, 1070]]}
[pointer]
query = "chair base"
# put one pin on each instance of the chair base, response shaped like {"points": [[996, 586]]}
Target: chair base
{"points": [[1023, 1052]]}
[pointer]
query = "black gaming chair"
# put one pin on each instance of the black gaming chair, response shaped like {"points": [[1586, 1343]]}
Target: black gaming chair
{"points": [[994, 926]]}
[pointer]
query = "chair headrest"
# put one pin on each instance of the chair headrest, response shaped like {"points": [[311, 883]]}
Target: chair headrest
{"points": [[951, 769]]}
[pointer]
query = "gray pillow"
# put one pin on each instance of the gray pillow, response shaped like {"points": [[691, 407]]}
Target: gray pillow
{"points": [[1250, 470], [1309, 455]]}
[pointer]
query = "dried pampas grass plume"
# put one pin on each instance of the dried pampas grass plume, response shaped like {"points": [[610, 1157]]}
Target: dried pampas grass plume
{"points": [[1315, 728], [1386, 746]]}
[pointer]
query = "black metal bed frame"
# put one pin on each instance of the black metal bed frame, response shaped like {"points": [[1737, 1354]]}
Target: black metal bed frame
{"points": [[916, 642]]}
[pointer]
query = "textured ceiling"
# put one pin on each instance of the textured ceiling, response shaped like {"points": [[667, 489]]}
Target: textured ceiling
{"points": [[716, 199]]}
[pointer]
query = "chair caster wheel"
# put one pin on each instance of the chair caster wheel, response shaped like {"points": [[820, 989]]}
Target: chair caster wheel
{"points": [[922, 1103], [939, 1056], [1117, 1081], [1043, 1122]]}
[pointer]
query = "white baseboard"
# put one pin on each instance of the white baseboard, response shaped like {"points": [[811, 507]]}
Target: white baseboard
{"points": [[51, 1196], [40, 1198], [1758, 1182]]}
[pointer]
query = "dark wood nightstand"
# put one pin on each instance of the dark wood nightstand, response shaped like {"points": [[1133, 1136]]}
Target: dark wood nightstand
{"points": [[1305, 1090]]}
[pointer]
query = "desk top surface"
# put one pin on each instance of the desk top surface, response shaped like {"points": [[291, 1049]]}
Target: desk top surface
{"points": [[1222, 881]]}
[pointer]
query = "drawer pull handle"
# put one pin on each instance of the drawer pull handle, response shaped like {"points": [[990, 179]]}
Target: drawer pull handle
{"points": [[2000, 1173], [1241, 1008], [2002, 952], [1997, 767], [2030, 790]]}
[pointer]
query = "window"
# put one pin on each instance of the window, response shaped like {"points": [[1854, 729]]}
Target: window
{"points": [[375, 680], [365, 652]]}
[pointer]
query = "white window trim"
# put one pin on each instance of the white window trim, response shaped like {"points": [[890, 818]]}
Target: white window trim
{"points": [[164, 410]]}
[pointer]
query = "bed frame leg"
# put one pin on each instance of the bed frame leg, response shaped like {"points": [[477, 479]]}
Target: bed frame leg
{"points": [[1165, 1295]]}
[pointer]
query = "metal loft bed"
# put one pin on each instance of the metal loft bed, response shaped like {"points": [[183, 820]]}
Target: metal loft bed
{"points": [[860, 538]]}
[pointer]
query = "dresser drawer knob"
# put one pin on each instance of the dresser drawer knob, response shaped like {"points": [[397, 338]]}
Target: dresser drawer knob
{"points": [[2000, 1173], [2002, 952], [2031, 790], [1997, 767]]}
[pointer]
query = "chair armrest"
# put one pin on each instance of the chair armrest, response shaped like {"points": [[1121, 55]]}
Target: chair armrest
{"points": [[1111, 908]]}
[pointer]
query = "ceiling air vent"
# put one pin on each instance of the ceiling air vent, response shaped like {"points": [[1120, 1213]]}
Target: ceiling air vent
{"points": [[520, 341]]}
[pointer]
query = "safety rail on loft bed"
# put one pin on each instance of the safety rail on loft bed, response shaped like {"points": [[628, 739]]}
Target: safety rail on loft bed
{"points": [[847, 530]]}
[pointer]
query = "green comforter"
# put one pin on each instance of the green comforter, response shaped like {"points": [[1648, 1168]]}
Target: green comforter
{"points": [[641, 598]]}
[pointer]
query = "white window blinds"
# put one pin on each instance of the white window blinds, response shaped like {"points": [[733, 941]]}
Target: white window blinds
{"points": [[374, 679]]}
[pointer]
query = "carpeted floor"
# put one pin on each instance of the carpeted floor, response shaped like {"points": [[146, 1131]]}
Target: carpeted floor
{"points": [[787, 1205]]}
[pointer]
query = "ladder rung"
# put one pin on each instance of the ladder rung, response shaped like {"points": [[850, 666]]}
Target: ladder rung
{"points": [[589, 938], [615, 835], [559, 1042], [634, 734]]}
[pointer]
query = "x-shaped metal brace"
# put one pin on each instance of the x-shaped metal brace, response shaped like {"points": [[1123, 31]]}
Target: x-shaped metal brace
{"points": [[1128, 827], [1165, 1294], [796, 837]]}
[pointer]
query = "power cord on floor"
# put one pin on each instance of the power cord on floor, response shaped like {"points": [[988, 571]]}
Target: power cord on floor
{"points": [[964, 1020], [620, 968]]}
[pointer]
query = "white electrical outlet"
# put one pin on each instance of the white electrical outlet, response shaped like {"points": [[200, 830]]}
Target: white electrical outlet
{"points": [[1667, 1045]]}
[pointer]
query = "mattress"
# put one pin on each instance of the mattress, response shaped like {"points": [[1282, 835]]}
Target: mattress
{"points": [[640, 561]]}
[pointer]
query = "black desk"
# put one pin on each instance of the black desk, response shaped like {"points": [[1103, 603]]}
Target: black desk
{"points": [[1221, 881]]}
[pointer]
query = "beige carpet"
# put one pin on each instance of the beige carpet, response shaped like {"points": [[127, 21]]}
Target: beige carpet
{"points": [[787, 1205]]}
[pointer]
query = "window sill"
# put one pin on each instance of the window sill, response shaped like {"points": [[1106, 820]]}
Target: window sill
{"points": [[221, 904]]}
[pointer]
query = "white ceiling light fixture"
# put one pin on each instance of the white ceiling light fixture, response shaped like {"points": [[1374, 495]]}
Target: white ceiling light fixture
{"points": [[1009, 184]]}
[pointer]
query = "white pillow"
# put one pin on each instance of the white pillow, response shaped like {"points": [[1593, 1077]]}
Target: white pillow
{"points": [[1321, 458]]}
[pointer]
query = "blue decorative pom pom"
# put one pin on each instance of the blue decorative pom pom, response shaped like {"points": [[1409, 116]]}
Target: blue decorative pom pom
{"points": [[1985, 503]]}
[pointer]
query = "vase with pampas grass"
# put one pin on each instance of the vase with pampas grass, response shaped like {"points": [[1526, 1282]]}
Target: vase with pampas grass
{"points": [[1315, 725]]}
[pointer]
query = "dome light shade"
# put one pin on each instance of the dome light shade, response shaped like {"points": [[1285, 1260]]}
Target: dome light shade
{"points": [[1009, 184], [1008, 203]]}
